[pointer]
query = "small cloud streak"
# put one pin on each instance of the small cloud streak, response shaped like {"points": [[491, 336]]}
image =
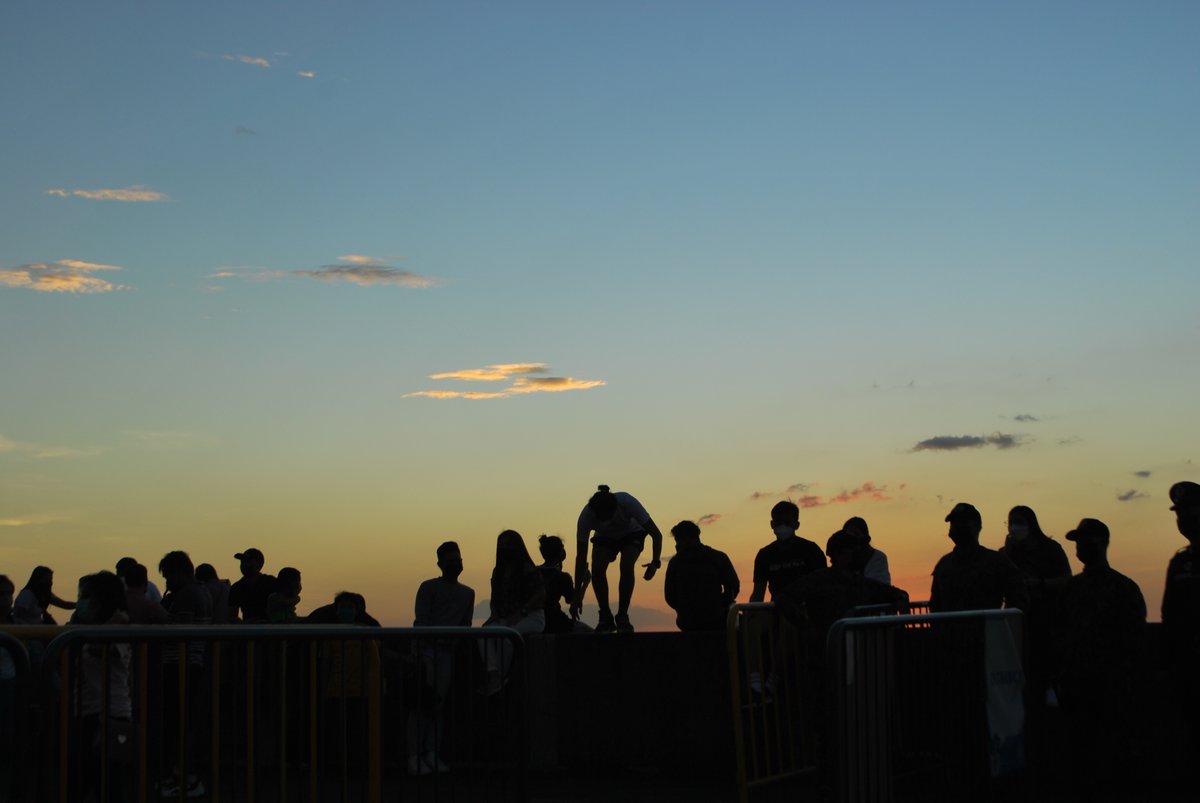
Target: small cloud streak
{"points": [[245, 132], [518, 373], [1131, 495], [1025, 417], [29, 521], [42, 452], [708, 518], [367, 275], [254, 61], [63, 276], [364, 271], [136, 193], [307, 74], [493, 373], [1142, 474], [951, 443], [867, 492]]}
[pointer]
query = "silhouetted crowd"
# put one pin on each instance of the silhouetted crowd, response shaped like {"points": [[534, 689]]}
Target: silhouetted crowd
{"points": [[1085, 632]]}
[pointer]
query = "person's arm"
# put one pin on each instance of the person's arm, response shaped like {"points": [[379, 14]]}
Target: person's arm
{"points": [[1016, 595], [582, 577], [730, 581], [669, 589], [60, 602], [423, 607], [758, 592], [656, 540], [469, 614]]}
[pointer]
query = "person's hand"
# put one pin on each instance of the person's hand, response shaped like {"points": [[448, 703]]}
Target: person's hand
{"points": [[651, 568]]}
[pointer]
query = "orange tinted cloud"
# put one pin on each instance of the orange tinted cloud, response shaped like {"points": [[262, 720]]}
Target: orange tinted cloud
{"points": [[255, 61], [134, 194], [494, 373], [63, 276], [519, 373]]}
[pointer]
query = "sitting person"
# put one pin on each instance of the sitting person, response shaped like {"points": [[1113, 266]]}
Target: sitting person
{"points": [[559, 586], [282, 602]]}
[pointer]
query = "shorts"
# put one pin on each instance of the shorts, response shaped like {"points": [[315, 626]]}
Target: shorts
{"points": [[620, 543]]}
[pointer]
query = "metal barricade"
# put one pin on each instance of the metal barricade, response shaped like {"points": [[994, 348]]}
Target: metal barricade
{"points": [[925, 707], [14, 717], [284, 713], [775, 693]]}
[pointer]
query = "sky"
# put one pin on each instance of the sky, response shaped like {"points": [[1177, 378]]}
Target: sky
{"points": [[343, 281]]}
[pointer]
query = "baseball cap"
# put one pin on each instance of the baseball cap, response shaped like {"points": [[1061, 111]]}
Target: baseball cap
{"points": [[253, 553], [1185, 494], [1089, 528], [964, 511]]}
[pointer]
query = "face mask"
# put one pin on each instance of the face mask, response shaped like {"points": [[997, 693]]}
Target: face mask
{"points": [[784, 530], [1018, 531]]}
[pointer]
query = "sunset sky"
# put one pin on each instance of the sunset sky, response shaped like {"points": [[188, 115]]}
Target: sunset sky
{"points": [[345, 280]]}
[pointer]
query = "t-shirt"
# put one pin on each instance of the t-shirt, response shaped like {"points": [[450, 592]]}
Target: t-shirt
{"points": [[701, 584], [249, 596], [27, 610], [781, 563], [630, 518], [1181, 607], [973, 578], [143, 611], [189, 605], [1104, 623], [444, 603], [876, 568], [513, 588]]}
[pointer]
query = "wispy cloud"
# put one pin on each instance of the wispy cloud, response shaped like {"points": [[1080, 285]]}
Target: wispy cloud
{"points": [[520, 374], [136, 193], [63, 276], [1131, 495], [255, 61], [42, 451], [950, 443], [245, 132], [31, 520], [354, 269], [794, 488], [867, 492], [708, 518], [1142, 474], [1071, 441], [1025, 417], [494, 373], [164, 439], [306, 74]]}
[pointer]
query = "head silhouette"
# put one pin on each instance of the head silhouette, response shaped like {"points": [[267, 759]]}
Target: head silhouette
{"points": [[1091, 542], [177, 569], [1185, 501], [785, 514], [101, 595], [552, 549], [965, 524], [511, 551], [1022, 523], [449, 560], [603, 503], [686, 534]]}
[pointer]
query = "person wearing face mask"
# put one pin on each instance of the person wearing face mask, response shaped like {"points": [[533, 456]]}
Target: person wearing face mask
{"points": [[788, 558], [1102, 637], [1044, 565], [972, 577]]}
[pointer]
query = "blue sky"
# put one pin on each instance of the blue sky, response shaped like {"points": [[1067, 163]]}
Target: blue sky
{"points": [[770, 245]]}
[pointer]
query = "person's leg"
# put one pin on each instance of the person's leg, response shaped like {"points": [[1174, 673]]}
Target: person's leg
{"points": [[629, 557], [602, 555]]}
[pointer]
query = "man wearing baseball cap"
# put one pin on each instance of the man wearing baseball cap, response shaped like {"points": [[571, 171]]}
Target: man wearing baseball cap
{"points": [[972, 577], [248, 596], [1104, 621], [1181, 605]]}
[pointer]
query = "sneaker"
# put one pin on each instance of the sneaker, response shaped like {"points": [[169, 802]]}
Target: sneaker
{"points": [[605, 625], [623, 623]]}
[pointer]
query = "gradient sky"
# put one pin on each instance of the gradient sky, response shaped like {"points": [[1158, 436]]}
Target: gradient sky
{"points": [[874, 257]]}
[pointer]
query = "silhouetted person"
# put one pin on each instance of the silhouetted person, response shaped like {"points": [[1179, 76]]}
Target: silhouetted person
{"points": [[187, 603], [8, 694], [559, 586], [347, 608], [248, 596], [102, 602], [282, 602], [620, 524], [1046, 570], [1102, 641], [972, 577], [870, 562], [152, 592], [218, 591], [820, 598], [140, 608], [787, 558], [30, 606], [1181, 607], [441, 602], [701, 582]]}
